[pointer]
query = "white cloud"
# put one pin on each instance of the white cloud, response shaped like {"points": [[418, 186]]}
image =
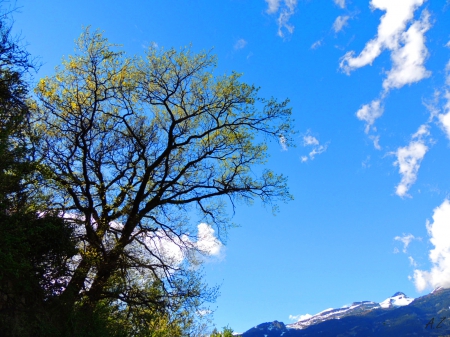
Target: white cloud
{"points": [[204, 312], [173, 250], [285, 9], [310, 140], [176, 248], [283, 144], [206, 240], [283, 22], [340, 3], [406, 240], [240, 44], [439, 232], [408, 55], [447, 69], [409, 159], [412, 262], [291, 4], [422, 131], [396, 251], [340, 23], [316, 44], [273, 6], [317, 148], [369, 113], [165, 251], [299, 317], [366, 163], [170, 249], [408, 60], [444, 118], [392, 25], [376, 142], [432, 105]]}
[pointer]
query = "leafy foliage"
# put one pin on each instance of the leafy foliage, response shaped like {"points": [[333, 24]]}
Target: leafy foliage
{"points": [[99, 178], [130, 147], [227, 332]]}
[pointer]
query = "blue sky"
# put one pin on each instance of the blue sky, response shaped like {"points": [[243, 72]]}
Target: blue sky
{"points": [[369, 84]]}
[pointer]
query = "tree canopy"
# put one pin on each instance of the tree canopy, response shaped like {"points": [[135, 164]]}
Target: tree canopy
{"points": [[130, 148]]}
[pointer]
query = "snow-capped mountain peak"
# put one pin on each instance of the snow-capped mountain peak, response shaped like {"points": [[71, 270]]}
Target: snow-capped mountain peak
{"points": [[398, 315], [397, 300]]}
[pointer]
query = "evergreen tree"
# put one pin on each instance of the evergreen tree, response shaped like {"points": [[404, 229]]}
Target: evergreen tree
{"points": [[34, 244]]}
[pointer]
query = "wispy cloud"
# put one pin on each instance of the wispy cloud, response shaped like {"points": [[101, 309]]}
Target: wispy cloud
{"points": [[283, 144], [412, 262], [439, 232], [407, 47], [366, 162], [273, 6], [392, 25], [316, 44], [406, 240], [444, 118], [340, 3], [408, 60], [340, 23], [310, 140], [204, 312], [376, 141], [370, 112], [284, 9], [447, 70], [240, 44], [316, 148], [409, 159]]}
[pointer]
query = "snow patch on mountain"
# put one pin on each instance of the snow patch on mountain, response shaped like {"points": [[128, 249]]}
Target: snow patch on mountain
{"points": [[397, 300]]}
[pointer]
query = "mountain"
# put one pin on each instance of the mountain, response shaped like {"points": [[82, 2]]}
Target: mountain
{"points": [[398, 315], [356, 308]]}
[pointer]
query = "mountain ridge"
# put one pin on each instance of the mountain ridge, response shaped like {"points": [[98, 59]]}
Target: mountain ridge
{"points": [[398, 315]]}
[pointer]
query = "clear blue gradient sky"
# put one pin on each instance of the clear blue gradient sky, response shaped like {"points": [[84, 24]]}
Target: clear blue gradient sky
{"points": [[369, 86]]}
